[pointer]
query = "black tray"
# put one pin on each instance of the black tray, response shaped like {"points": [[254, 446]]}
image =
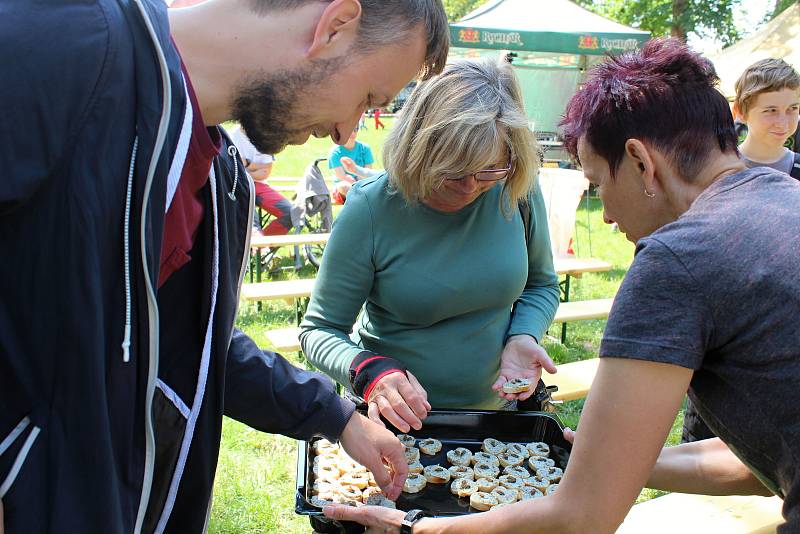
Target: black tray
{"points": [[454, 428]]}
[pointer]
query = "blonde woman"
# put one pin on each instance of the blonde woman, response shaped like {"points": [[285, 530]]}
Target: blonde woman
{"points": [[455, 296]]}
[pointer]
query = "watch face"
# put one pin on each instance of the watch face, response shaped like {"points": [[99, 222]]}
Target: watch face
{"points": [[411, 517]]}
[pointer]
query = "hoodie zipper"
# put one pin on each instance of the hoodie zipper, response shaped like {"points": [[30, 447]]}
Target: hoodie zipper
{"points": [[152, 306]]}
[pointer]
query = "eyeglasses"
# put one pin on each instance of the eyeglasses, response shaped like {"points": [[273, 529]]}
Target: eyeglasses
{"points": [[488, 175]]}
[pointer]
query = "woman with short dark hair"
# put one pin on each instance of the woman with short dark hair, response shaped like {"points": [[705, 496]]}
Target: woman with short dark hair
{"points": [[709, 304]]}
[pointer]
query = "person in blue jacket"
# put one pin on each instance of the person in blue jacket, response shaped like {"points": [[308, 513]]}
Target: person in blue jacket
{"points": [[125, 218]]}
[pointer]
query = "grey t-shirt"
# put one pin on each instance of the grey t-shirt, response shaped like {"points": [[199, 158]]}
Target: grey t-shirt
{"points": [[783, 164], [718, 291]]}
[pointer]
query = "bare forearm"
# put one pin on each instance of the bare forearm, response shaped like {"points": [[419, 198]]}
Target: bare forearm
{"points": [[705, 467], [538, 516]]}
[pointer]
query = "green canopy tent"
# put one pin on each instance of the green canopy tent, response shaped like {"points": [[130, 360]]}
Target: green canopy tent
{"points": [[554, 42]]}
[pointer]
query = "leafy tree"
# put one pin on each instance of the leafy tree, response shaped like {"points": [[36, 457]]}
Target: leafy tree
{"points": [[778, 8], [675, 18], [456, 9]]}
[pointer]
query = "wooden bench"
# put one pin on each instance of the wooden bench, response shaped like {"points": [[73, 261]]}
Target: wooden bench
{"points": [[577, 266], [260, 242], [292, 291], [573, 379], [280, 290], [681, 512], [286, 339], [267, 241]]}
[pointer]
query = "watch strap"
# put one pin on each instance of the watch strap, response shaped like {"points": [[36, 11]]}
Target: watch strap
{"points": [[407, 526]]}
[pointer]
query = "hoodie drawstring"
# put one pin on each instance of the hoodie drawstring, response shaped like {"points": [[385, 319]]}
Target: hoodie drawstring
{"points": [[232, 153], [126, 340]]}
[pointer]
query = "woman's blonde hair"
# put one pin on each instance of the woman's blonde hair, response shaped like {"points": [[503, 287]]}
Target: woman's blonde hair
{"points": [[455, 124]]}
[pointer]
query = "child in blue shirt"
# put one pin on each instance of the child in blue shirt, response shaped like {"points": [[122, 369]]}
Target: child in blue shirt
{"points": [[359, 152]]}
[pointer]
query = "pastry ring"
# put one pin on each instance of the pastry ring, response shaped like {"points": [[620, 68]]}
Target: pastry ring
{"points": [[517, 471], [459, 456], [509, 458], [462, 471], [414, 483], [436, 474], [412, 454], [517, 385], [430, 446], [511, 482], [486, 471], [529, 492], [506, 495], [486, 484], [406, 440], [537, 462], [463, 487], [554, 474], [539, 448], [482, 501], [481, 457], [493, 446], [519, 449]]}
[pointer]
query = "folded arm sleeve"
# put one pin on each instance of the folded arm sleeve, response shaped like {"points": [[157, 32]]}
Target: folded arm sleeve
{"points": [[343, 285], [535, 308], [660, 313], [53, 57], [266, 392]]}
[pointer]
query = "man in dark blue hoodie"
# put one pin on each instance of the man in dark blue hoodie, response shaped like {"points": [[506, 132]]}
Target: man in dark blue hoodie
{"points": [[118, 352]]}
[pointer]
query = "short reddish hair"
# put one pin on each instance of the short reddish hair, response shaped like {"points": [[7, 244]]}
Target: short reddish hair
{"points": [[665, 95]]}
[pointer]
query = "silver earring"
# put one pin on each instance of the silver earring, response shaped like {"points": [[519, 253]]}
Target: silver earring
{"points": [[649, 194]]}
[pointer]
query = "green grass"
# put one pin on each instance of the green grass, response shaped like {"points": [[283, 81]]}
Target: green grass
{"points": [[254, 488], [294, 159]]}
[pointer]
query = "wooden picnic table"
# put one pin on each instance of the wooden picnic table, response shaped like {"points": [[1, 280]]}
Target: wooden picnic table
{"points": [[267, 241], [569, 267], [260, 242], [577, 266]]}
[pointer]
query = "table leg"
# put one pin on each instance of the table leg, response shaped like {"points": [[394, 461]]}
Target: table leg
{"points": [[566, 299]]}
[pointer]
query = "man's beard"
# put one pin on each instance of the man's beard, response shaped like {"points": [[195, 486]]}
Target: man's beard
{"points": [[267, 106]]}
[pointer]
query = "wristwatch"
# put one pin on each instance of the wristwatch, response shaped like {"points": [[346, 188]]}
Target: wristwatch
{"points": [[407, 526]]}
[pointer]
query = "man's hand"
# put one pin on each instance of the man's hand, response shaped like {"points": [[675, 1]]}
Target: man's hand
{"points": [[378, 450], [401, 400], [375, 518], [522, 358]]}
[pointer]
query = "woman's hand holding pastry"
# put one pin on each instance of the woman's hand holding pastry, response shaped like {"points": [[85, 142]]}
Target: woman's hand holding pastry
{"points": [[522, 358]]}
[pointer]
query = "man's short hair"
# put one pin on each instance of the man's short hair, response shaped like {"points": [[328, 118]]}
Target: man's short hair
{"points": [[455, 124], [388, 22], [664, 95], [764, 76]]}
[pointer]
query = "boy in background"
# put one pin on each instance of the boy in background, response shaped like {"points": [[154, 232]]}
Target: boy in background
{"points": [[360, 153], [768, 102]]}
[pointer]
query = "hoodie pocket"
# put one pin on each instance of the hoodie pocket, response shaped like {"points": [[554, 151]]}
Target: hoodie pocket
{"points": [[169, 419], [14, 451]]}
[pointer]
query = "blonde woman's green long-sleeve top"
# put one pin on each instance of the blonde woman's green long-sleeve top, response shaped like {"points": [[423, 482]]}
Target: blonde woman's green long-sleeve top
{"points": [[440, 292]]}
